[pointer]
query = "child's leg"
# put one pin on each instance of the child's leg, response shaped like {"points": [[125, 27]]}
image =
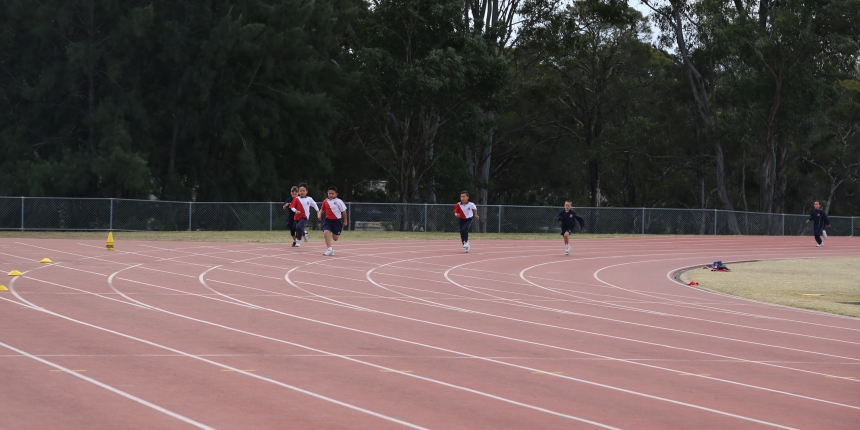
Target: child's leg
{"points": [[566, 238], [300, 228], [293, 230], [818, 236], [463, 234], [327, 235], [335, 237]]}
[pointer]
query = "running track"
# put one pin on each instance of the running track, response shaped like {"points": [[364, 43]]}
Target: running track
{"points": [[414, 335]]}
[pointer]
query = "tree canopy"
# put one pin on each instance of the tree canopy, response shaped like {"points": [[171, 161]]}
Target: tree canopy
{"points": [[703, 104]]}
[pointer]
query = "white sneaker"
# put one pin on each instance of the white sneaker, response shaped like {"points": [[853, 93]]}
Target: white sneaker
{"points": [[567, 250], [306, 236], [298, 243], [467, 247], [824, 234], [329, 252], [820, 244]]}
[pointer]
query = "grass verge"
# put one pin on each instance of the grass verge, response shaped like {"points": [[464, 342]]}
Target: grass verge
{"points": [[821, 284], [282, 236]]}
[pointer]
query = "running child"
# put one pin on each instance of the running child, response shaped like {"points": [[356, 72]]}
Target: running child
{"points": [[465, 211], [568, 220], [302, 207], [291, 222], [819, 221], [335, 218]]}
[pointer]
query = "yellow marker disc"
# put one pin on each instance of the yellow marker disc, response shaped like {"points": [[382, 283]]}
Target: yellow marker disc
{"points": [[45, 261], [15, 273]]}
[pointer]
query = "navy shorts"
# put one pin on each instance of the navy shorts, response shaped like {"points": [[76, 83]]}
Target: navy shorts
{"points": [[569, 230], [335, 226]]}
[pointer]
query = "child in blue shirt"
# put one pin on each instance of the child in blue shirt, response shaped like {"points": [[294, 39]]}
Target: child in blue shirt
{"points": [[568, 219]]}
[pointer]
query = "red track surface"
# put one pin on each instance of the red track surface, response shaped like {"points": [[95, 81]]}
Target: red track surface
{"points": [[414, 334]]}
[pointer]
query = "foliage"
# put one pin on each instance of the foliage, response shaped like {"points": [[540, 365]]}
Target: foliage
{"points": [[751, 105]]}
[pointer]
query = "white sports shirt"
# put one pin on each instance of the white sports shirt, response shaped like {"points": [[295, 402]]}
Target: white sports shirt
{"points": [[336, 206], [307, 203], [468, 210]]}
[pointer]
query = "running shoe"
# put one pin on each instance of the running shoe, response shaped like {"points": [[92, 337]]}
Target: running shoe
{"points": [[467, 247], [298, 243], [824, 234], [329, 252], [820, 244], [294, 244], [567, 250], [306, 237]]}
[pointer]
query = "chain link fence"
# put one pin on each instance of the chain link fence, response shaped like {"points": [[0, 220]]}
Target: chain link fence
{"points": [[42, 213]]}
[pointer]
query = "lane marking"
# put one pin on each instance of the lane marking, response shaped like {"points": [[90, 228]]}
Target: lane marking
{"points": [[76, 373], [205, 360]]}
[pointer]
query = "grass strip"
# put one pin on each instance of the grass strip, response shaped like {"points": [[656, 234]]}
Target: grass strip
{"points": [[822, 284], [283, 236]]}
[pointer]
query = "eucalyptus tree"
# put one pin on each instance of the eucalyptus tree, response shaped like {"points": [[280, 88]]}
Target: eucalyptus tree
{"points": [[420, 72], [584, 81]]}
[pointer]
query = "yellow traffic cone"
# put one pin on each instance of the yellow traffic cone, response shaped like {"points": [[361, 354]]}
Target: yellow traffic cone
{"points": [[109, 242], [15, 273], [46, 261], [3, 288]]}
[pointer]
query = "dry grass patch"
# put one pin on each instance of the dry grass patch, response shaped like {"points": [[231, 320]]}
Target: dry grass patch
{"points": [[283, 237], [822, 284]]}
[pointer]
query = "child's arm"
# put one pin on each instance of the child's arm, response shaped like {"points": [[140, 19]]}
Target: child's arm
{"points": [[581, 221], [320, 211], [343, 215], [476, 213], [457, 210], [296, 206]]}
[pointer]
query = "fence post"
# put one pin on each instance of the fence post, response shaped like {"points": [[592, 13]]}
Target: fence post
{"points": [[189, 215], [270, 216], [783, 224], [349, 215], [425, 217], [111, 215], [715, 222], [22, 213], [852, 226], [500, 218], [643, 220]]}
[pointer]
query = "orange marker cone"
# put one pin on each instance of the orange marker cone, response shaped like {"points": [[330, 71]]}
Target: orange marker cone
{"points": [[109, 242]]}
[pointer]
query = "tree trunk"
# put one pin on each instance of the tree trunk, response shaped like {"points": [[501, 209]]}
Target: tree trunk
{"points": [[91, 99], [722, 192], [594, 183]]}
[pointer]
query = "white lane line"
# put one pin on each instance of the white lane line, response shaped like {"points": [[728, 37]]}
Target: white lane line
{"points": [[763, 304], [220, 365], [108, 387], [711, 308], [634, 309], [434, 304], [350, 358]]}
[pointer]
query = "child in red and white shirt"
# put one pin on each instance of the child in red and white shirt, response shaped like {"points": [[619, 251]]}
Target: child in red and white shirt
{"points": [[465, 211], [335, 218], [301, 206]]}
